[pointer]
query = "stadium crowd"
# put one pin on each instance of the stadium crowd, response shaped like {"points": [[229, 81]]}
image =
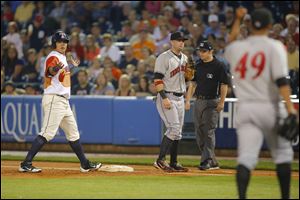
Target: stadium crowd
{"points": [[117, 42]]}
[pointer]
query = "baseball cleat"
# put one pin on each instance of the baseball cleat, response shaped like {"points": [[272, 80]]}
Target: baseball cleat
{"points": [[163, 165], [92, 166], [178, 167], [27, 167], [208, 165]]}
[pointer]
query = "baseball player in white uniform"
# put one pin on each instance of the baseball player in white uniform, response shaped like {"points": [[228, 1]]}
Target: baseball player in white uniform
{"points": [[170, 84], [259, 67], [56, 108]]}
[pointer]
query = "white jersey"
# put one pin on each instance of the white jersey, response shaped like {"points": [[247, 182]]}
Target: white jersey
{"points": [[60, 83], [256, 63], [173, 69]]}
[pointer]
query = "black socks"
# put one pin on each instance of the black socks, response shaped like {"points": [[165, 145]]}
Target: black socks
{"points": [[173, 152], [242, 179], [164, 147], [284, 175], [37, 144], [77, 148]]}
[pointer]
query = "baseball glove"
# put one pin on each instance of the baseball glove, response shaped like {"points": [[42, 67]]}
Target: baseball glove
{"points": [[190, 69], [290, 128]]}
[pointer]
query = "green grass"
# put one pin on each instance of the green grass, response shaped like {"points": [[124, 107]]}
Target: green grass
{"points": [[204, 187], [186, 161]]}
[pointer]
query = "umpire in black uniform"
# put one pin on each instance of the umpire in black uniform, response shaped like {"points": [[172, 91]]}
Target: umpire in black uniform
{"points": [[210, 83]]}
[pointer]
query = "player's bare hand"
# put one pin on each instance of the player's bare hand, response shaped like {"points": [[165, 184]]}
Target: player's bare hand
{"points": [[220, 106], [74, 61], [241, 12], [187, 105], [166, 103]]}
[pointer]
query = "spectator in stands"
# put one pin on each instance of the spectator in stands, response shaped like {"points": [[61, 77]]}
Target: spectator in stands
{"points": [[37, 33], [95, 69], [25, 40], [164, 39], [132, 18], [91, 49], [110, 49], [29, 72], [293, 64], [292, 28], [41, 58], [229, 17], [12, 65], [148, 19], [142, 39], [275, 32], [107, 71], [83, 87], [116, 72], [13, 37], [102, 86], [2, 80], [243, 32], [125, 87], [126, 32], [153, 7], [197, 17], [24, 13], [196, 34], [213, 28], [75, 27], [58, 11], [128, 58], [168, 12], [184, 24], [131, 72], [96, 32], [6, 16], [75, 47], [9, 88], [31, 89], [143, 87]]}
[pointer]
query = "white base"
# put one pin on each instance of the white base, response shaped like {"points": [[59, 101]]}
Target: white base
{"points": [[115, 168]]}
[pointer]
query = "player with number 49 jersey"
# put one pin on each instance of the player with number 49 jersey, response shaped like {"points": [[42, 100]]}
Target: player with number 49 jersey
{"points": [[256, 63]]}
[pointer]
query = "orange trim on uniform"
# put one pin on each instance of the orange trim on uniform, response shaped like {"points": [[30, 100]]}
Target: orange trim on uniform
{"points": [[158, 82], [50, 62]]}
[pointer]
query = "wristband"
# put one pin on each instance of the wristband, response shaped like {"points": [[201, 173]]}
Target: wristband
{"points": [[162, 94]]}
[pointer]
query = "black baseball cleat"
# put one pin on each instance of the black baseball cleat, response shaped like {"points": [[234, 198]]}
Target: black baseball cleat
{"points": [[91, 166], [163, 165], [209, 165], [178, 167], [27, 167]]}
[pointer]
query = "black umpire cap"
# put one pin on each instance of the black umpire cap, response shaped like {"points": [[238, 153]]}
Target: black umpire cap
{"points": [[178, 36], [206, 45], [261, 18]]}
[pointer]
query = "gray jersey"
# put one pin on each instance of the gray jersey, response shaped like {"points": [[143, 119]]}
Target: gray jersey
{"points": [[256, 63], [173, 69]]}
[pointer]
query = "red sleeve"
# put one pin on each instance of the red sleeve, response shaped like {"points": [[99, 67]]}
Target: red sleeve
{"points": [[51, 62]]}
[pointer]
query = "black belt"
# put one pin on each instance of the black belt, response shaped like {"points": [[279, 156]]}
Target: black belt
{"points": [[206, 97], [175, 93], [61, 96]]}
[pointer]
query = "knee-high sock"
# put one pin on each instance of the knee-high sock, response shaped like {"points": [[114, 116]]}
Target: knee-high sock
{"points": [[173, 152], [164, 147], [37, 144], [284, 175], [242, 179], [77, 148]]}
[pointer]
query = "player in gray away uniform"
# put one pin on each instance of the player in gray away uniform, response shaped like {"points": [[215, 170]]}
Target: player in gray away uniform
{"points": [[259, 66], [169, 80]]}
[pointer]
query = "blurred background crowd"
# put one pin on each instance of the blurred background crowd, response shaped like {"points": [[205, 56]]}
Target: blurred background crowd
{"points": [[117, 42]]}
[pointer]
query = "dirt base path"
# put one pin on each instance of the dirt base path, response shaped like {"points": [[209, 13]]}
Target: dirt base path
{"points": [[60, 169]]}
